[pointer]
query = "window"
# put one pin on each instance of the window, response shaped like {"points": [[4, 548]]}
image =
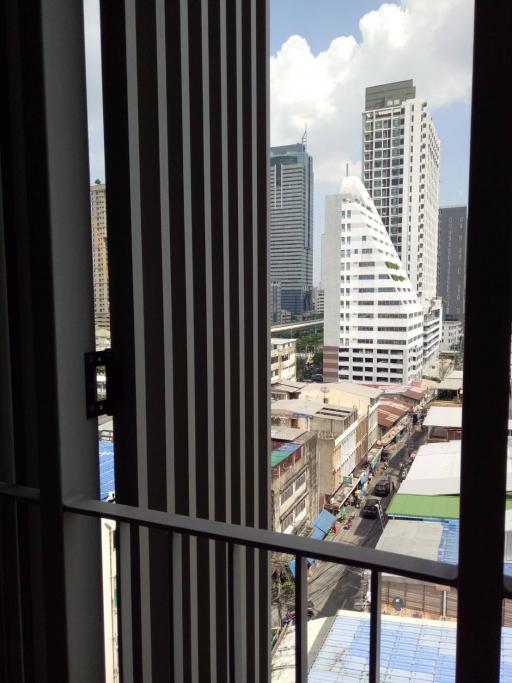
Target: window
{"points": [[286, 494], [478, 629]]}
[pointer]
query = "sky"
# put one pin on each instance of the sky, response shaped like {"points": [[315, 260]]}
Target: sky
{"points": [[323, 54]]}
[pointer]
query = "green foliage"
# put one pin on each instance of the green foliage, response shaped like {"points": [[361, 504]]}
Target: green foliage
{"points": [[305, 369], [313, 339], [397, 278], [392, 265]]}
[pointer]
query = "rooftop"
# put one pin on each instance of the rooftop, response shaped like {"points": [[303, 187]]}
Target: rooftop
{"points": [[444, 416], [436, 471], [279, 454], [348, 388], [412, 649], [285, 433], [289, 386], [418, 538], [279, 341], [107, 481], [409, 390], [303, 408], [453, 382], [424, 507], [391, 411]]}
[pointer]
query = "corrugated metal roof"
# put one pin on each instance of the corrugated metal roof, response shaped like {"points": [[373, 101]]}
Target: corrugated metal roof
{"points": [[281, 453], [415, 538], [448, 550], [450, 384], [107, 481], [424, 507], [419, 538], [436, 471], [420, 650], [444, 416]]}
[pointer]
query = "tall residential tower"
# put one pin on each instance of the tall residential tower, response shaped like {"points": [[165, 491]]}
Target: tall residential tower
{"points": [[100, 256], [373, 322], [401, 153], [451, 266], [401, 173], [291, 225]]}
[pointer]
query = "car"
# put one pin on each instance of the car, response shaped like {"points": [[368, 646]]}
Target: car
{"points": [[371, 508], [383, 487], [317, 378]]}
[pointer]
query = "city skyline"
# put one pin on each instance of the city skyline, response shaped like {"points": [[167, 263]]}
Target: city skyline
{"points": [[345, 40]]}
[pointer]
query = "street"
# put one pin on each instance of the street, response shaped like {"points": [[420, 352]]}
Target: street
{"points": [[333, 587]]}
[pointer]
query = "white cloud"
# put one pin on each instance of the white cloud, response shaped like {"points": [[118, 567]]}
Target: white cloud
{"points": [[430, 42]]}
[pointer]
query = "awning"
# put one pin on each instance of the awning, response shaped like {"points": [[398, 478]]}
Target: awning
{"points": [[324, 521], [292, 564], [317, 534]]}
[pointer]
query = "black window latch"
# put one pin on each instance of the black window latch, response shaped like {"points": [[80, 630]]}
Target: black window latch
{"points": [[97, 386]]}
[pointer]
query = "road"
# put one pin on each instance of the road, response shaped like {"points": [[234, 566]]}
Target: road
{"points": [[333, 587]]}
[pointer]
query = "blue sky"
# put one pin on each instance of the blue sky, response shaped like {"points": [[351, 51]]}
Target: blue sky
{"points": [[321, 82], [320, 21], [418, 39]]}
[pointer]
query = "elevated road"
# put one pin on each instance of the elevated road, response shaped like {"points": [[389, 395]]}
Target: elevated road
{"points": [[296, 328]]}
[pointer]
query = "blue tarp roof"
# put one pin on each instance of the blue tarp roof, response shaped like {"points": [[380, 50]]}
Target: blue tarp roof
{"points": [[291, 565], [317, 534], [324, 521], [107, 482]]}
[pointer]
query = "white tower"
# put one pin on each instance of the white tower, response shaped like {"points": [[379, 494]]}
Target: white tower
{"points": [[373, 322]]}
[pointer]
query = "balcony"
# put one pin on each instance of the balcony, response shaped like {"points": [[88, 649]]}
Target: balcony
{"points": [[188, 387]]}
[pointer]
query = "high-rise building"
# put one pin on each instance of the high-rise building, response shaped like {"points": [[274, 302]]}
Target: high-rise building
{"points": [[100, 255], [291, 225], [373, 321], [401, 153], [275, 303], [318, 300], [451, 260]]}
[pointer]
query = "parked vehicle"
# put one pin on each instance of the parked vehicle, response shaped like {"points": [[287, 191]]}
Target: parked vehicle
{"points": [[383, 487], [371, 508]]}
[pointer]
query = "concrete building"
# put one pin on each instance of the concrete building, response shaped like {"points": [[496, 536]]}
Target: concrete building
{"points": [[291, 225], [282, 360], [336, 430], [294, 489], [373, 321], [318, 300], [345, 417], [401, 153], [275, 303], [452, 335], [451, 260], [444, 423], [432, 335], [100, 256], [109, 581]]}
